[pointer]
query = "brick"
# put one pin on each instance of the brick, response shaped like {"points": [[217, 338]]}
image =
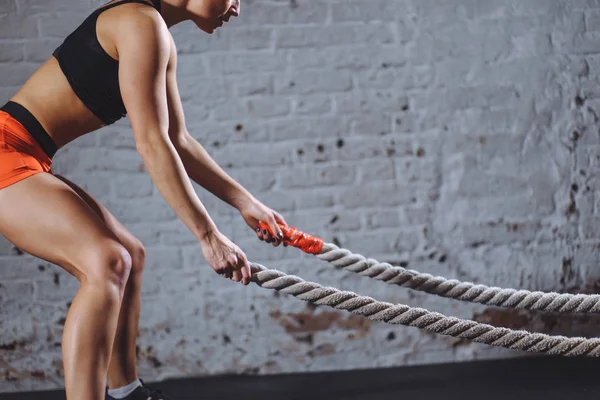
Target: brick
{"points": [[190, 65], [136, 210], [226, 110], [6, 248], [267, 107], [251, 154], [352, 57], [372, 123], [317, 176], [85, 159], [314, 82], [11, 52], [40, 50], [317, 197], [238, 63], [187, 40], [97, 184], [257, 178], [7, 92], [15, 298], [16, 74], [309, 12], [334, 35], [60, 25], [484, 96], [148, 232], [382, 241], [314, 105], [370, 101], [258, 85], [475, 184], [383, 219], [279, 200], [17, 26], [249, 38], [331, 221], [162, 269], [8, 6], [377, 195], [61, 289], [308, 128], [376, 170], [14, 267], [592, 20], [117, 137], [262, 14], [128, 187], [237, 130], [197, 90], [478, 10], [365, 11], [41, 5]]}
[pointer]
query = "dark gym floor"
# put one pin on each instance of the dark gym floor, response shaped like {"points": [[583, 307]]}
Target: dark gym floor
{"points": [[538, 378]]}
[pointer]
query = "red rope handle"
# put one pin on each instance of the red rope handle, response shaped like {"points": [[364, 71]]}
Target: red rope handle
{"points": [[293, 237]]}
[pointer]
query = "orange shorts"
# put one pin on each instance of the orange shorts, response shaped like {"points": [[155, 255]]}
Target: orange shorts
{"points": [[20, 154]]}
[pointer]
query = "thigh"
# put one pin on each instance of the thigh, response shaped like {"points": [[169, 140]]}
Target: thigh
{"points": [[44, 217], [127, 239]]}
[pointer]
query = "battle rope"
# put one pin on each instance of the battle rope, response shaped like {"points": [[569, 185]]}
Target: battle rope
{"points": [[423, 319], [438, 285]]}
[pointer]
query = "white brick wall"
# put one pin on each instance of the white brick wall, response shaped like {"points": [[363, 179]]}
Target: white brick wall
{"points": [[461, 137]]}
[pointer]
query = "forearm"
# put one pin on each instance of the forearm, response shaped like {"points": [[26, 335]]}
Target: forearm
{"points": [[168, 174], [203, 170]]}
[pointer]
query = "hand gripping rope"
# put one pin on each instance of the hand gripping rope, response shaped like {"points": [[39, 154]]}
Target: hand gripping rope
{"points": [[424, 319]]}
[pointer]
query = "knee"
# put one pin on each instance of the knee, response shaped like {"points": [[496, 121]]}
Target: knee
{"points": [[110, 263], [138, 257]]}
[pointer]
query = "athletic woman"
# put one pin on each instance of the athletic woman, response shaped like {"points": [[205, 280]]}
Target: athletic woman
{"points": [[120, 61]]}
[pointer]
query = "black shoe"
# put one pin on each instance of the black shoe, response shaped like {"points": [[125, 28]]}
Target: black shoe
{"points": [[143, 392]]}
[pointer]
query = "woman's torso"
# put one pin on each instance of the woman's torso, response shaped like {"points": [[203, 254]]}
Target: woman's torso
{"points": [[60, 105]]}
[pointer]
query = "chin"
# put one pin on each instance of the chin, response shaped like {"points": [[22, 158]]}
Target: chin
{"points": [[206, 28]]}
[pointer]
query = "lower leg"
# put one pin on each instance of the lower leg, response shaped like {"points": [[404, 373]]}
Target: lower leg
{"points": [[122, 369], [88, 338]]}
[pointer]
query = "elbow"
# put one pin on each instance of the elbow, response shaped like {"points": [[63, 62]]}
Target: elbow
{"points": [[180, 139], [151, 146]]}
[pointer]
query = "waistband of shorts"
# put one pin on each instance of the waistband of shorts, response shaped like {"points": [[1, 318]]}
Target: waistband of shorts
{"points": [[32, 125]]}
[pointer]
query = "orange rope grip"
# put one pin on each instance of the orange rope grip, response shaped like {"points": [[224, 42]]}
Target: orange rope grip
{"points": [[293, 237]]}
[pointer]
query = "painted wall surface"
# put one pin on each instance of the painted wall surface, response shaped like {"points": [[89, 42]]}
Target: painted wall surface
{"points": [[460, 138]]}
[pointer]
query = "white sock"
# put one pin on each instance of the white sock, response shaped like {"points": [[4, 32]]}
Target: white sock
{"points": [[124, 391]]}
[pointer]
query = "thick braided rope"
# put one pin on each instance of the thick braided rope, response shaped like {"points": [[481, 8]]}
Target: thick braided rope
{"points": [[454, 289], [423, 319]]}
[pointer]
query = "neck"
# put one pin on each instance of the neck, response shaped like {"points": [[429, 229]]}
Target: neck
{"points": [[174, 11]]}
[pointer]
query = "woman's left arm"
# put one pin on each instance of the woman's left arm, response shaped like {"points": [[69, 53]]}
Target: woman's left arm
{"points": [[203, 170]]}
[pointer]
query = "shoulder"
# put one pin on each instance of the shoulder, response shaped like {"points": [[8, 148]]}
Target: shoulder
{"points": [[142, 27]]}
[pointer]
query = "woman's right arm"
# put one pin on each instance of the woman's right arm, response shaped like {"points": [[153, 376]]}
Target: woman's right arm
{"points": [[144, 47]]}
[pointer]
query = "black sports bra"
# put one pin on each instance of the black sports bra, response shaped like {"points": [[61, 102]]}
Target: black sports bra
{"points": [[91, 72]]}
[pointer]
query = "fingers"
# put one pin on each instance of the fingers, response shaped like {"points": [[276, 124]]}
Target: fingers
{"points": [[260, 233], [233, 272], [265, 234], [279, 218], [275, 228], [244, 266], [237, 268]]}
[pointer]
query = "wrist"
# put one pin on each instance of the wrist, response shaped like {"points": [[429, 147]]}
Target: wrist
{"points": [[241, 199], [205, 231]]}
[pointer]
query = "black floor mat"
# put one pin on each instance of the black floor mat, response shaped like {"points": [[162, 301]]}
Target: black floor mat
{"points": [[539, 378]]}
